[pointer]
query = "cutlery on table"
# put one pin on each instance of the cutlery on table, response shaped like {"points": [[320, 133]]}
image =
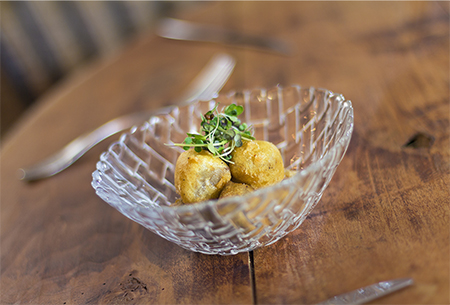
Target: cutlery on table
{"points": [[369, 293], [186, 30], [204, 87]]}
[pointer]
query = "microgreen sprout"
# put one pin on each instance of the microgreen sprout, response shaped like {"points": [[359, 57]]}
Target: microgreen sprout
{"points": [[221, 133]]}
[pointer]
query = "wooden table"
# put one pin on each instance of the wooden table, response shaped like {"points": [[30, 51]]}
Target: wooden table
{"points": [[385, 214]]}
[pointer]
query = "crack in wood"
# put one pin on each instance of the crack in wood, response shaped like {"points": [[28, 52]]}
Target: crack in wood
{"points": [[420, 140], [251, 263]]}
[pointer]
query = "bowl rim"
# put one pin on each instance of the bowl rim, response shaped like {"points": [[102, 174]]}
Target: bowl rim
{"points": [[291, 180]]}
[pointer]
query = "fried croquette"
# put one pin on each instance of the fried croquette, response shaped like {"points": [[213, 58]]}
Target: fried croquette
{"points": [[200, 176], [257, 163], [235, 189]]}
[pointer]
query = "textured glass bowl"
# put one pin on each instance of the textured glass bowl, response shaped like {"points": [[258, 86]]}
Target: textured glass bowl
{"points": [[312, 129]]}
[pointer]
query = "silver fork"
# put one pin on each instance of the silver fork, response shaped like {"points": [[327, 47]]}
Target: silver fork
{"points": [[204, 87]]}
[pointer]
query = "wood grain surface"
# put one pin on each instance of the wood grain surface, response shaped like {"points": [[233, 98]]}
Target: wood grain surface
{"points": [[384, 215]]}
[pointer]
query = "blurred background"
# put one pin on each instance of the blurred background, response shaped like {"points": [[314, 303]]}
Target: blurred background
{"points": [[44, 41]]}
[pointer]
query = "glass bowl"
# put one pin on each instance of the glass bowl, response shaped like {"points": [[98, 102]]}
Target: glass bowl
{"points": [[312, 129]]}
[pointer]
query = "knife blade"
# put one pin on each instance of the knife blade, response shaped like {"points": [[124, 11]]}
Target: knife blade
{"points": [[369, 293], [185, 30]]}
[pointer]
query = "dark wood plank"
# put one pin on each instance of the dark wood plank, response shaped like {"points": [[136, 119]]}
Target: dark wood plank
{"points": [[60, 243], [66, 245], [385, 214]]}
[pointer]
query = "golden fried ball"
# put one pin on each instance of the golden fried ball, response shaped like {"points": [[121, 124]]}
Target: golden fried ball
{"points": [[235, 189], [200, 176], [257, 163]]}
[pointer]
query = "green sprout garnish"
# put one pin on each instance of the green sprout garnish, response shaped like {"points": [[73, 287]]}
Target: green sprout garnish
{"points": [[221, 133]]}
